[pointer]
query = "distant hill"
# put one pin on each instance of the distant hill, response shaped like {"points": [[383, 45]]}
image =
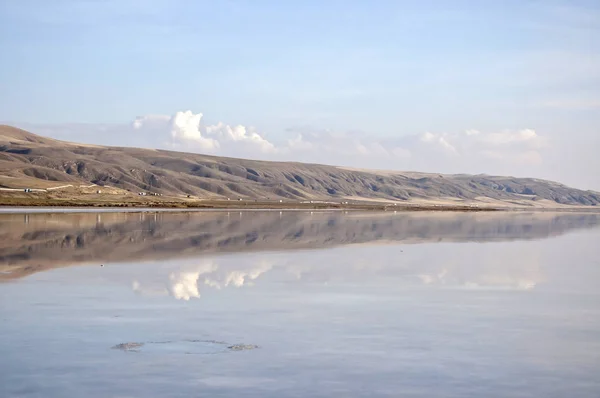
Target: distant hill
{"points": [[29, 160]]}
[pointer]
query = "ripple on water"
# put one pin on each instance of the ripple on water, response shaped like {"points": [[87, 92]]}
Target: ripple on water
{"points": [[197, 347]]}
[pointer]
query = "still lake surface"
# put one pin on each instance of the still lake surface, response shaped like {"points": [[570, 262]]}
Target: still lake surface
{"points": [[300, 304]]}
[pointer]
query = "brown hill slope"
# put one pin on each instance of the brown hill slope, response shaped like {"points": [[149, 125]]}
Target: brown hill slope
{"points": [[29, 160]]}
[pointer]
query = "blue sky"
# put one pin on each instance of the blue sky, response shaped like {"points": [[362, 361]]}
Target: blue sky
{"points": [[386, 72]]}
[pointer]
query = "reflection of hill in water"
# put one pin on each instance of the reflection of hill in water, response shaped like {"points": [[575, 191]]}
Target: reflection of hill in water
{"points": [[35, 242]]}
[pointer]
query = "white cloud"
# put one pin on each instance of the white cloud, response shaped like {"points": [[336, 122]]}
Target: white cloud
{"points": [[185, 129], [238, 278], [185, 126], [517, 270], [528, 137], [471, 151], [323, 146], [522, 146], [438, 141], [142, 121], [239, 134], [429, 151], [185, 285], [503, 280]]}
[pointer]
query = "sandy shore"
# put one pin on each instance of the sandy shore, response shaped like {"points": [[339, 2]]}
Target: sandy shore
{"points": [[230, 205], [10, 200]]}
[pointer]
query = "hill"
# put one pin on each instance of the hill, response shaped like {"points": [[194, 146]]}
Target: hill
{"points": [[31, 161]]}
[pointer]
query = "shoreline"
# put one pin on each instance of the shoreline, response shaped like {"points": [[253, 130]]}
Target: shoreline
{"points": [[32, 204], [145, 208], [8, 203]]}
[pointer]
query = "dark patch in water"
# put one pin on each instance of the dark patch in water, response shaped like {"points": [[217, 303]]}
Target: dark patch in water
{"points": [[202, 347], [242, 347], [128, 346]]}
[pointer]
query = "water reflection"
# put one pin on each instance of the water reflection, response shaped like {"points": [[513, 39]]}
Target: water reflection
{"points": [[35, 242], [185, 281], [524, 267], [504, 313]]}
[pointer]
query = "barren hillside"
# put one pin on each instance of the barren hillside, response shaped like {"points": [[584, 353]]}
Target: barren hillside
{"points": [[31, 161]]}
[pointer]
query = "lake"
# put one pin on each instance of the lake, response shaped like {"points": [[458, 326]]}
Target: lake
{"points": [[299, 304]]}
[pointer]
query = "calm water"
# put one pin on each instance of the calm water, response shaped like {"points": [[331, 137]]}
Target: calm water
{"points": [[295, 304]]}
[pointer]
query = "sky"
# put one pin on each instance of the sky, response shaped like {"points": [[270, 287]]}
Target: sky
{"points": [[510, 88]]}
